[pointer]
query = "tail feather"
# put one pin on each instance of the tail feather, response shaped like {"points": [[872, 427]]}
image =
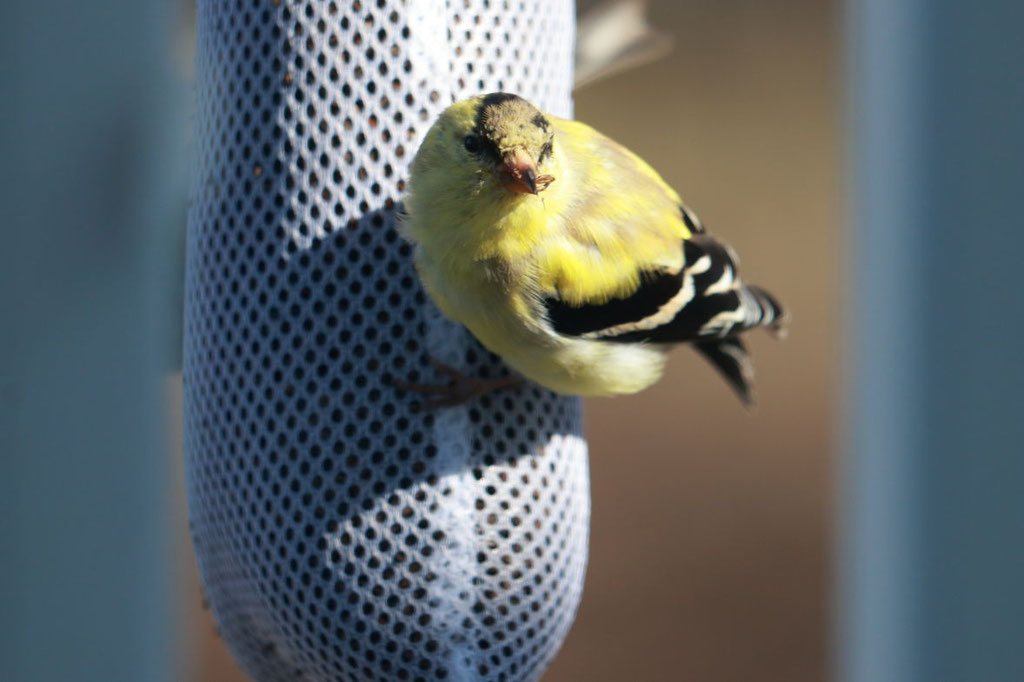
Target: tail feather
{"points": [[773, 316], [729, 356]]}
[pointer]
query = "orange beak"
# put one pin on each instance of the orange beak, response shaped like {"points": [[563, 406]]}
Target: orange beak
{"points": [[518, 173]]}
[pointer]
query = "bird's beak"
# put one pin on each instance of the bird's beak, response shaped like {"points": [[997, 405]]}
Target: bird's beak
{"points": [[518, 172]]}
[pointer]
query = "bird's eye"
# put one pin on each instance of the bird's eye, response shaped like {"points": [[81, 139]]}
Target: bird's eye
{"points": [[472, 144]]}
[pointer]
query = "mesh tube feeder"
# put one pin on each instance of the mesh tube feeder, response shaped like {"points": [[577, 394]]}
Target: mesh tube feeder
{"points": [[340, 533]]}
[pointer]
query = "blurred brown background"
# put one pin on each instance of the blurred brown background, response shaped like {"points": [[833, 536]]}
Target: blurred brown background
{"points": [[711, 528]]}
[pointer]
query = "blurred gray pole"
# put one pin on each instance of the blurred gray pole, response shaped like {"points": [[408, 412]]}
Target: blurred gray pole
{"points": [[91, 132], [932, 554]]}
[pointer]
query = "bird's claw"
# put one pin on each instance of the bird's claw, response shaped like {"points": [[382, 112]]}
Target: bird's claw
{"points": [[461, 389]]}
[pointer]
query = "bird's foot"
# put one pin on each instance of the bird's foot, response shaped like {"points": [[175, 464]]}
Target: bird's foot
{"points": [[461, 388]]}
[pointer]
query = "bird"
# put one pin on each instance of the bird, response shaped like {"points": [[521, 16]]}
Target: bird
{"points": [[568, 256]]}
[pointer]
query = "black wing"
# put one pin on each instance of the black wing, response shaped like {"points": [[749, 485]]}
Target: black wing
{"points": [[705, 302]]}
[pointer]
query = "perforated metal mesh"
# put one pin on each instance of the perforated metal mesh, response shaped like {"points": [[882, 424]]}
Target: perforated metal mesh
{"points": [[341, 534]]}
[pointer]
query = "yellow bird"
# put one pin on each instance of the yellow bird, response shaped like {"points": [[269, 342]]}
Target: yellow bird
{"points": [[568, 256]]}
